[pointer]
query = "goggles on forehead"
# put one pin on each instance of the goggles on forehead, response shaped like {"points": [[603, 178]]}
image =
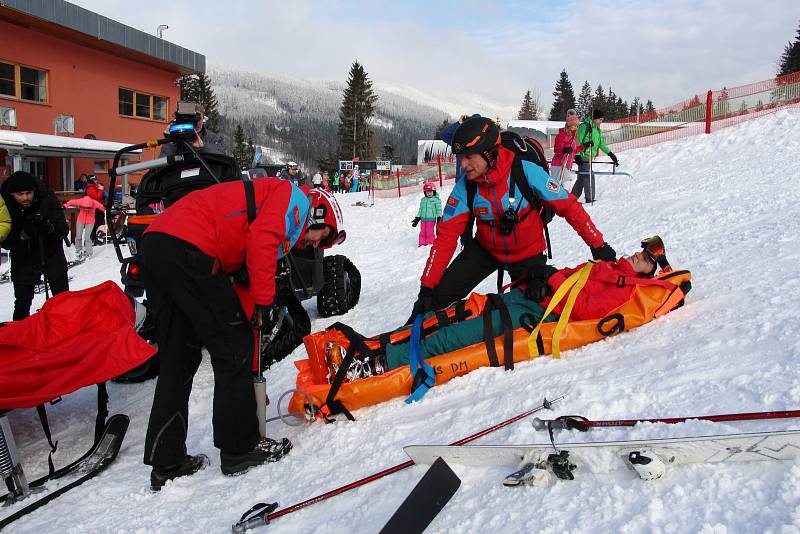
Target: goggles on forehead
{"points": [[655, 250]]}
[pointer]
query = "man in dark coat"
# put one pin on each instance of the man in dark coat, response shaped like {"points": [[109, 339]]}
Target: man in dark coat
{"points": [[38, 229], [205, 141]]}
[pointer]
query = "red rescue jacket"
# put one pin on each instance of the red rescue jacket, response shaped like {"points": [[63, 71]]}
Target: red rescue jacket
{"points": [[491, 201], [599, 296], [215, 221]]}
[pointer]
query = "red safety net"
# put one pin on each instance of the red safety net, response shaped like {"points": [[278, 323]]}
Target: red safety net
{"points": [[703, 113]]}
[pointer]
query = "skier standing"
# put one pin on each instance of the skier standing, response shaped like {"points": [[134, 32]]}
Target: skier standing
{"points": [[590, 138]]}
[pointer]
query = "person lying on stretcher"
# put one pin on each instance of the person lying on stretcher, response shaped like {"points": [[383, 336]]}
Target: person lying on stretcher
{"points": [[526, 304]]}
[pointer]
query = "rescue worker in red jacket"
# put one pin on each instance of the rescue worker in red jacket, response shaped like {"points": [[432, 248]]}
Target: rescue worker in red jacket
{"points": [[186, 256], [509, 236]]}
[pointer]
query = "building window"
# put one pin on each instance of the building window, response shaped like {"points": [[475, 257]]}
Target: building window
{"points": [[25, 83], [146, 106]]}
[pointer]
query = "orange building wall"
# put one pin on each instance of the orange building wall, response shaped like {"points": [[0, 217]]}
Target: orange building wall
{"points": [[84, 82]]}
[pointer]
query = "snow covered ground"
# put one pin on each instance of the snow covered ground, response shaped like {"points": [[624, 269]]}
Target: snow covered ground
{"points": [[727, 208]]}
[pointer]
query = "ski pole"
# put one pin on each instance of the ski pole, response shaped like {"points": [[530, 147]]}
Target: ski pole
{"points": [[262, 513], [583, 424], [259, 382]]}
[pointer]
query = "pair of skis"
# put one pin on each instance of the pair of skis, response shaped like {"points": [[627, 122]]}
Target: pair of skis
{"points": [[100, 456], [541, 463], [420, 508]]}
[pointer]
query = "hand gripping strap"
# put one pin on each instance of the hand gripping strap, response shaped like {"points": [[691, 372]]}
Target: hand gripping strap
{"points": [[571, 287]]}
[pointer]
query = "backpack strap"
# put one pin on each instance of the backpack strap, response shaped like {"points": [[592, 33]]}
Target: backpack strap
{"points": [[519, 178], [472, 189], [250, 199]]}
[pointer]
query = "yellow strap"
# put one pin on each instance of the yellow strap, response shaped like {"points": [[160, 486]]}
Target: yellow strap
{"points": [[572, 285]]}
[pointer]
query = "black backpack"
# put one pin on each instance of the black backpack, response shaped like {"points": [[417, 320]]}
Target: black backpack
{"points": [[526, 149]]}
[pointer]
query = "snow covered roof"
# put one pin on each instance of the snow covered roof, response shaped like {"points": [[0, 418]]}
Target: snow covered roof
{"points": [[31, 144]]}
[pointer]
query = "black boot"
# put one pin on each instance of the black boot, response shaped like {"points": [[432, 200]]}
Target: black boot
{"points": [[189, 466], [266, 451]]}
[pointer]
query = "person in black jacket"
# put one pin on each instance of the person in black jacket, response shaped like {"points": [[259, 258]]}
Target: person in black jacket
{"points": [[38, 229], [205, 141]]}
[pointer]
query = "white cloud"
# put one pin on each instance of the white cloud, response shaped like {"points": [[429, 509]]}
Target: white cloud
{"points": [[487, 53]]}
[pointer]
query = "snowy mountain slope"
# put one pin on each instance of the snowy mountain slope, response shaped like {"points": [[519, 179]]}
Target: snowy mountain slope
{"points": [[724, 207], [300, 117]]}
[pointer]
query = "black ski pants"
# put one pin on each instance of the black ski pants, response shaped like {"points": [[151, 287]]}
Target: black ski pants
{"points": [[194, 305], [473, 264], [584, 183], [23, 294]]}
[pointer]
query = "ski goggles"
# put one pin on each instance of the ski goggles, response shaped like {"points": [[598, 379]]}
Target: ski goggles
{"points": [[655, 250]]}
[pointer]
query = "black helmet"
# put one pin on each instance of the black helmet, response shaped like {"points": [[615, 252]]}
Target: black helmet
{"points": [[476, 135]]}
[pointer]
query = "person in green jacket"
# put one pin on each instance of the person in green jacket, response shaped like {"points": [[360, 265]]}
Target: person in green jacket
{"points": [[590, 142], [430, 211]]}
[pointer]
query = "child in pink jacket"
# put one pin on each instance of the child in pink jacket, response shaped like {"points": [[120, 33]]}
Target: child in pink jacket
{"points": [[564, 150], [83, 226]]}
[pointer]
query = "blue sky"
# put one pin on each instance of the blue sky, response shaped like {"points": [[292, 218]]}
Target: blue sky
{"points": [[486, 54]]}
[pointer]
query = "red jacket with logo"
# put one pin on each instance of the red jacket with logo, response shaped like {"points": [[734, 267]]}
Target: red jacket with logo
{"points": [[215, 221], [599, 296], [491, 201]]}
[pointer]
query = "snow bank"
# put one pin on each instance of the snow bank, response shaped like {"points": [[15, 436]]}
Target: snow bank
{"points": [[726, 206]]}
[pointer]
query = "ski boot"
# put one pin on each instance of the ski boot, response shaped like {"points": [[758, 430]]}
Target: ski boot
{"points": [[334, 355], [648, 464], [266, 451], [188, 466], [529, 475], [360, 367]]}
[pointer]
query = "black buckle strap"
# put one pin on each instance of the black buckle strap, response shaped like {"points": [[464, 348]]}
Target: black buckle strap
{"points": [[356, 345], [494, 302], [53, 446]]}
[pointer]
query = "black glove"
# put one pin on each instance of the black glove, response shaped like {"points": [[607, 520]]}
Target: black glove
{"points": [[604, 253], [424, 301], [588, 143], [264, 317], [613, 158], [438, 220], [567, 150], [578, 159], [536, 286], [415, 222], [537, 290]]}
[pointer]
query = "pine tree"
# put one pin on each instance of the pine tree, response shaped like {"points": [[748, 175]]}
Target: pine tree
{"points": [[649, 107], [439, 129], [250, 154], [790, 59], [387, 153], [599, 99], [240, 148], [358, 105], [564, 98], [584, 104], [722, 106], [527, 112]]}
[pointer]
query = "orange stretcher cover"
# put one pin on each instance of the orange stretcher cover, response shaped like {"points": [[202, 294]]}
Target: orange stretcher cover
{"points": [[646, 303]]}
